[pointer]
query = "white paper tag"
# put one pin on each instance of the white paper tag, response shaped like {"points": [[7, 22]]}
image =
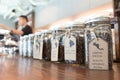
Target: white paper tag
{"points": [[21, 48], [29, 48], [70, 48], [24, 48], [54, 51], [36, 49], [98, 54], [41, 48]]}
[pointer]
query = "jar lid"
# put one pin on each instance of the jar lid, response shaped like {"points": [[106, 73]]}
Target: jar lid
{"points": [[61, 30], [98, 19], [77, 26]]}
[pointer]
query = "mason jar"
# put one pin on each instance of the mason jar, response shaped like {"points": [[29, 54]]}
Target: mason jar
{"points": [[70, 54], [40, 40], [79, 29], [21, 46], [57, 45], [36, 46], [98, 44], [32, 42], [30, 47], [25, 38], [47, 45], [77, 32]]}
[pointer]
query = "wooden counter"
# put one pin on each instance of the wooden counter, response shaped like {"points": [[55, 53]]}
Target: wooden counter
{"points": [[19, 68]]}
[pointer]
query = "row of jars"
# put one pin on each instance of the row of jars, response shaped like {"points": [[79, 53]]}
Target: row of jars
{"points": [[87, 44], [58, 45]]}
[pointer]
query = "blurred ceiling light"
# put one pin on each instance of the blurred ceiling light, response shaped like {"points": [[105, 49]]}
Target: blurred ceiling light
{"points": [[22, 7]]}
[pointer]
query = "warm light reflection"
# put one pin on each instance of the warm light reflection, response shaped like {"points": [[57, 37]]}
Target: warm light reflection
{"points": [[103, 10]]}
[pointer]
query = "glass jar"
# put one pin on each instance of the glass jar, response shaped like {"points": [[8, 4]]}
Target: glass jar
{"points": [[25, 38], [61, 34], [47, 45], [41, 46], [32, 42], [36, 46], [70, 47], [21, 46], [77, 31], [30, 47], [99, 44], [54, 46], [57, 45]]}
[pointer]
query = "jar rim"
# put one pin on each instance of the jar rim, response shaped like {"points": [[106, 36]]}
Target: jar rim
{"points": [[98, 19]]}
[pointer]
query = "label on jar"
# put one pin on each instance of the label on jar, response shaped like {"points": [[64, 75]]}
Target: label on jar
{"points": [[36, 50], [24, 48], [98, 54], [70, 48], [21, 48], [41, 49], [54, 51], [29, 48]]}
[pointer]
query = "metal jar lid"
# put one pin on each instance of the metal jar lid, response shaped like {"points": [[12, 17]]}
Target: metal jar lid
{"points": [[78, 26], [96, 21]]}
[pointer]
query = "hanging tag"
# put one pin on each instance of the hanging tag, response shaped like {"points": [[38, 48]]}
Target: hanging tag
{"points": [[70, 48], [54, 51], [41, 49], [98, 54], [36, 49], [29, 48], [21, 47], [24, 48]]}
